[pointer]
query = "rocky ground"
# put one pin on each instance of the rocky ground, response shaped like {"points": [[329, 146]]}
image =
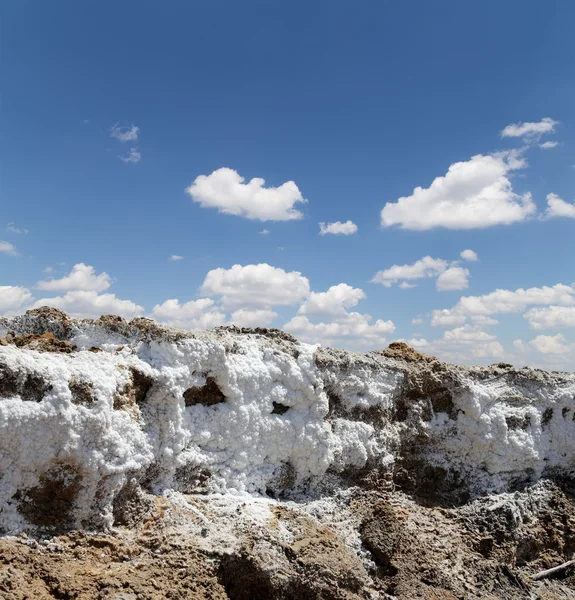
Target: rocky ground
{"points": [[411, 519]]}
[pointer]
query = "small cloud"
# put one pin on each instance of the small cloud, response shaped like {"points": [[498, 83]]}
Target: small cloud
{"points": [[469, 255], [417, 321], [8, 248], [557, 207], [124, 134], [338, 228], [48, 270], [19, 230], [85, 121], [133, 156], [404, 285], [548, 145], [528, 131], [264, 232], [176, 257]]}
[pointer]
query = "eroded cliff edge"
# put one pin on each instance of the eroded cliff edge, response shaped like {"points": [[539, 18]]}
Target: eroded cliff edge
{"points": [[409, 475]]}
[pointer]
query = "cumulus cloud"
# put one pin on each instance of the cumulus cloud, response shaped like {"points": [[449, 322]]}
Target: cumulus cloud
{"points": [[503, 301], [551, 317], [264, 232], [133, 156], [423, 268], [338, 228], [196, 314], [255, 286], [462, 344], [530, 131], [176, 257], [454, 278], [124, 134], [548, 145], [473, 194], [225, 190], [447, 318], [557, 207], [469, 255], [12, 298], [352, 330], [550, 344], [332, 303], [260, 317], [81, 277], [18, 230], [404, 285], [87, 303]]}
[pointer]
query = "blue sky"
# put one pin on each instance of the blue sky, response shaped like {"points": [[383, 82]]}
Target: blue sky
{"points": [[356, 106]]}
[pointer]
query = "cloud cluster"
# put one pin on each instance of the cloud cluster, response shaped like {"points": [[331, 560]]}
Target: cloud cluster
{"points": [[450, 276], [225, 190]]}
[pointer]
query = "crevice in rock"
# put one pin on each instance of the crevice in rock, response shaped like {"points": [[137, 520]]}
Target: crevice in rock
{"points": [[208, 394]]}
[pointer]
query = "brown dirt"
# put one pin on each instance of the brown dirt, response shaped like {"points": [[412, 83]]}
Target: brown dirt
{"points": [[208, 395], [45, 342], [403, 351]]}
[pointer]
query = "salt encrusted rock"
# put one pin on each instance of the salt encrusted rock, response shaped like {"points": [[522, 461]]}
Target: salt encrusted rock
{"points": [[88, 406]]}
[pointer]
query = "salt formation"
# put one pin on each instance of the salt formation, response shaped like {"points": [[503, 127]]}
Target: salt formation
{"points": [[248, 411], [98, 417]]}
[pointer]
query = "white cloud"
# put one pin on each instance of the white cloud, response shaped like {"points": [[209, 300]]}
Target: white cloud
{"points": [[352, 330], [423, 268], [338, 228], [196, 314], [332, 303], [48, 270], [264, 232], [124, 134], [8, 248], [469, 255], [407, 286], [468, 333], [225, 190], [81, 277], [550, 344], [176, 257], [530, 131], [548, 145], [253, 318], [255, 286], [84, 303], [551, 317], [18, 230], [462, 344], [446, 318], [455, 278], [12, 298], [417, 321], [473, 194], [557, 207], [503, 302], [133, 156]]}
